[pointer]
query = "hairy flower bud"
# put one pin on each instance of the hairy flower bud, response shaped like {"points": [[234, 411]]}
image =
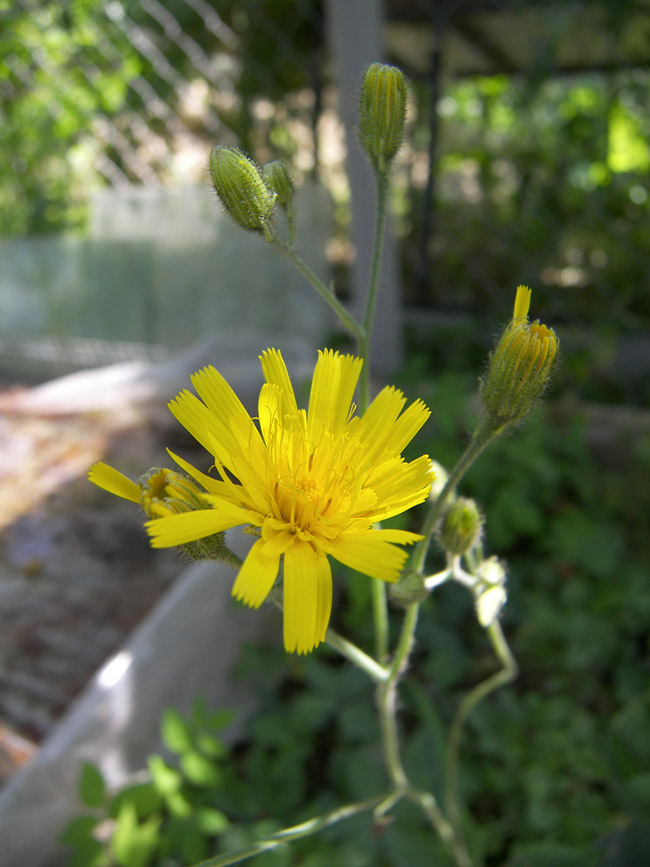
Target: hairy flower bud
{"points": [[461, 526], [520, 366], [165, 492], [240, 187], [382, 113], [278, 180]]}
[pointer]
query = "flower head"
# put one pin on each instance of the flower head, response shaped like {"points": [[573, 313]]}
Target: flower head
{"points": [[520, 366], [312, 483]]}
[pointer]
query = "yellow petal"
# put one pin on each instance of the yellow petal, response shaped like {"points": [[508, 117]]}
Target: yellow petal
{"points": [[197, 419], [371, 552], [324, 610], [522, 302], [269, 409], [232, 426], [305, 599], [275, 373], [256, 576], [114, 482], [406, 426], [400, 485], [378, 420], [190, 526], [211, 485], [332, 388]]}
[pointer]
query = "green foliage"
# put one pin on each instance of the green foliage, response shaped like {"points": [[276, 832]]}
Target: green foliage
{"points": [[170, 819], [554, 767]]}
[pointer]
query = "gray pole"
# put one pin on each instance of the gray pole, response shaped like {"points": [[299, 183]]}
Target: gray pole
{"points": [[355, 37]]}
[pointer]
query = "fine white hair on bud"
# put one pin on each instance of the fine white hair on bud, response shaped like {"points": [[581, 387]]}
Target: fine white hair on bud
{"points": [[382, 113], [520, 366], [241, 188]]}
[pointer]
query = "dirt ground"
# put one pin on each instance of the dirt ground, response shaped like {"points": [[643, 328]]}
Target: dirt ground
{"points": [[76, 571]]}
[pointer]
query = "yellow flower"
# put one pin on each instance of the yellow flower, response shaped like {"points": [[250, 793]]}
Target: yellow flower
{"points": [[313, 482]]}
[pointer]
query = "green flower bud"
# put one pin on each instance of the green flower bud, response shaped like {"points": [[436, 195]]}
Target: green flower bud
{"points": [[519, 369], [278, 180], [240, 187], [164, 492], [382, 113], [461, 526]]}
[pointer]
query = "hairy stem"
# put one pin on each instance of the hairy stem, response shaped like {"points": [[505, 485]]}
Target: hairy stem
{"points": [[326, 294]]}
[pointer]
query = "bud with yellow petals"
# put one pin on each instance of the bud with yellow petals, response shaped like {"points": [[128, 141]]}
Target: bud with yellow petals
{"points": [[161, 493], [519, 369]]}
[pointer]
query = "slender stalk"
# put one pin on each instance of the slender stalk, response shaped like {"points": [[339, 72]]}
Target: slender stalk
{"points": [[387, 699], [377, 588], [483, 436], [355, 655], [275, 841], [326, 294], [382, 179], [502, 677], [429, 806], [380, 618]]}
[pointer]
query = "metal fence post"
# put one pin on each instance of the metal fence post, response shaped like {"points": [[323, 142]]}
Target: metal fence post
{"points": [[355, 36]]}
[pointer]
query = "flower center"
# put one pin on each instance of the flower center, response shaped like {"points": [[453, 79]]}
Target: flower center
{"points": [[300, 501]]}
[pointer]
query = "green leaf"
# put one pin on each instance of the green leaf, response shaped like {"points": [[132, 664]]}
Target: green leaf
{"points": [[145, 797], [90, 853], [166, 779], [211, 821], [211, 746], [78, 830], [91, 785], [134, 844], [175, 731], [200, 770]]}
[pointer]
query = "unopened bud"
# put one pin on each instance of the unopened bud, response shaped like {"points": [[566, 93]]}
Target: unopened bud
{"points": [[240, 187], [461, 526], [520, 366], [382, 113], [278, 180]]}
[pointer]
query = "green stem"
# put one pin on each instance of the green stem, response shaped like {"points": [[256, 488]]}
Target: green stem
{"points": [[378, 588], [502, 677], [483, 436], [380, 618], [429, 806], [387, 699], [275, 841], [355, 655], [373, 287], [326, 294]]}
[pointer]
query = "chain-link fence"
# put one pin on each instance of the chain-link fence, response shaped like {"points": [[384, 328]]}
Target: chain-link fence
{"points": [[528, 158]]}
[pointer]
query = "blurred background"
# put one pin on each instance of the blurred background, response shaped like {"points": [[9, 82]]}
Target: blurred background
{"points": [[527, 160]]}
